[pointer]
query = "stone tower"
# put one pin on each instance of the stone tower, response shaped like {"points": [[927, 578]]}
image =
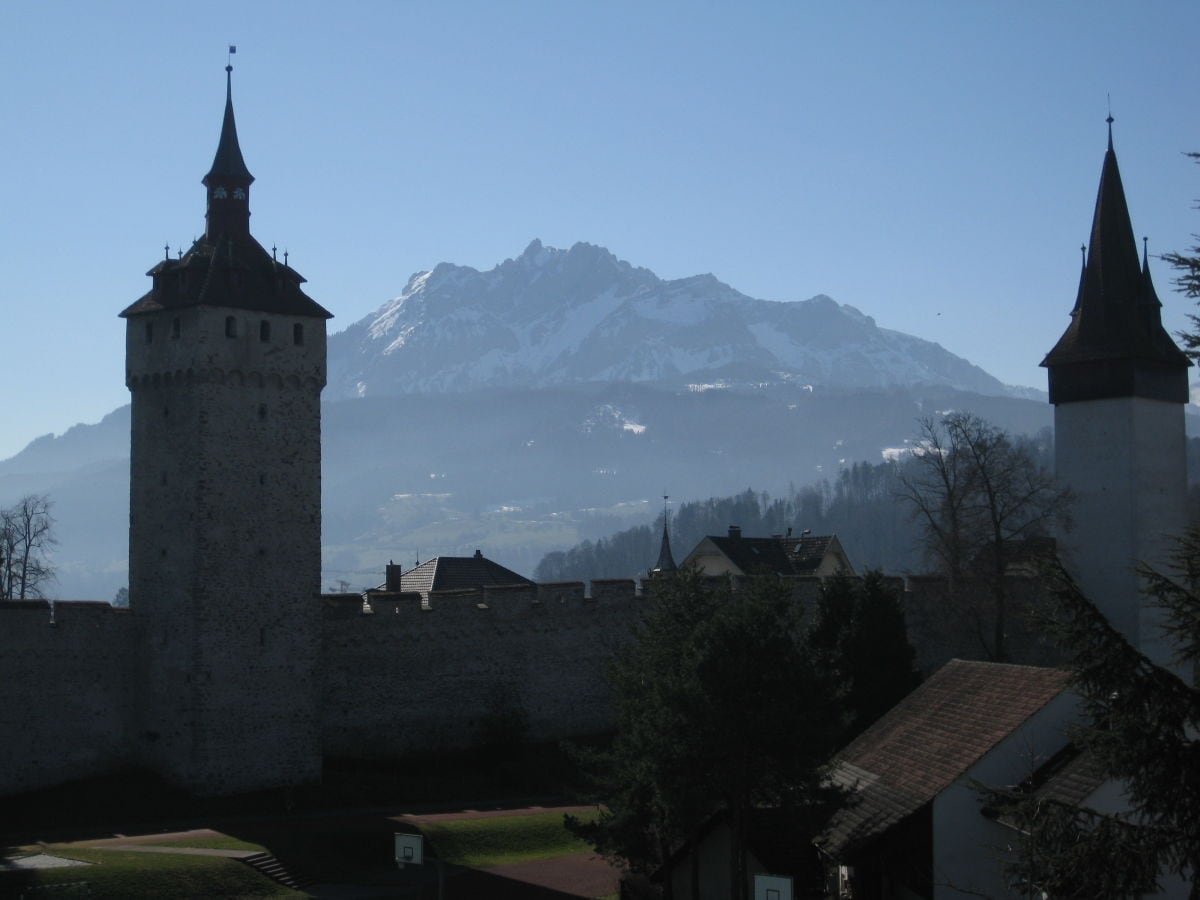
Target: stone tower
{"points": [[225, 362], [1119, 384]]}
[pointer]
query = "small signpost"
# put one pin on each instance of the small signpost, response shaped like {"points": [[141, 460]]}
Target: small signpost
{"points": [[772, 887]]}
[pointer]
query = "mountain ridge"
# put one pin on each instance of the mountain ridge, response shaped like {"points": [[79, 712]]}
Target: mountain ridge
{"points": [[551, 316]]}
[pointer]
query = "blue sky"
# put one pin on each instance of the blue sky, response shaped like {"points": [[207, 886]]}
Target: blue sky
{"points": [[933, 164]]}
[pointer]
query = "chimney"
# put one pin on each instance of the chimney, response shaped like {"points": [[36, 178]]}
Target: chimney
{"points": [[392, 578], [479, 554], [735, 532]]}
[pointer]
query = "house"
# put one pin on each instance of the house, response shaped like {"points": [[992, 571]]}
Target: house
{"points": [[776, 845], [806, 556], [915, 826], [451, 573]]}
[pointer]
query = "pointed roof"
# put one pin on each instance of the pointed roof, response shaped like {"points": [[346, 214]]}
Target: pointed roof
{"points": [[1115, 345], [227, 267], [228, 162], [666, 562]]}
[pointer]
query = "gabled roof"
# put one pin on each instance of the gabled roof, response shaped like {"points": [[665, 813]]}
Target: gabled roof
{"points": [[452, 573], [780, 555], [929, 740]]}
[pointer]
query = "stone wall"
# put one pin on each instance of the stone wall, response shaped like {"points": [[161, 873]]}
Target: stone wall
{"points": [[400, 676], [66, 692]]}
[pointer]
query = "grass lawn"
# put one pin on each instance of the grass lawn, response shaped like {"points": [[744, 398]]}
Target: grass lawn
{"points": [[147, 876], [502, 839], [219, 843]]}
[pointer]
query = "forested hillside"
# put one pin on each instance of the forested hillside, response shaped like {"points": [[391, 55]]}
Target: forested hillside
{"points": [[859, 506]]}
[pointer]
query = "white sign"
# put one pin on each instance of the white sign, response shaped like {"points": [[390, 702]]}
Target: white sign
{"points": [[410, 849], [772, 887]]}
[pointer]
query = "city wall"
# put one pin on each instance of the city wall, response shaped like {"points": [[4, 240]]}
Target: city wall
{"points": [[66, 691], [402, 676]]}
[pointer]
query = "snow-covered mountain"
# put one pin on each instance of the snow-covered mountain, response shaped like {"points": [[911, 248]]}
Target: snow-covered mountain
{"points": [[555, 317]]}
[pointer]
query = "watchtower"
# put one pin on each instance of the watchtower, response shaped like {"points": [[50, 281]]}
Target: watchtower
{"points": [[1119, 384], [225, 362]]}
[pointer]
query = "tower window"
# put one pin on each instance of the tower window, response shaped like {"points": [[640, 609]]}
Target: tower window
{"points": [[298, 334], [264, 331], [149, 332], [262, 412], [230, 326], [175, 328]]}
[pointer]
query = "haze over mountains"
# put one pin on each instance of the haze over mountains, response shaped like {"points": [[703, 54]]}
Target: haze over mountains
{"points": [[553, 398]]}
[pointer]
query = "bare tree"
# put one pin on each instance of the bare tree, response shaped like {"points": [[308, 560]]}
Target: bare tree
{"points": [[979, 495], [26, 536]]}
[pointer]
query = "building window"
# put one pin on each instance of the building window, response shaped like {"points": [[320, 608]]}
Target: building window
{"points": [[264, 331], [149, 332], [175, 329], [262, 412], [230, 326], [298, 334]]}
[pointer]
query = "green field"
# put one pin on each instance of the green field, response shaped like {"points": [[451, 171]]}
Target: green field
{"points": [[117, 875], [502, 839]]}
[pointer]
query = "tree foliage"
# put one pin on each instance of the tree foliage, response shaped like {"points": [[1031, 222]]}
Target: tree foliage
{"points": [[1144, 727], [26, 536], [978, 494], [1187, 279], [719, 708], [859, 636]]}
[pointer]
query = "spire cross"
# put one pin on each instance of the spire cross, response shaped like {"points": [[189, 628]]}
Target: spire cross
{"points": [[166, 251], [285, 256]]}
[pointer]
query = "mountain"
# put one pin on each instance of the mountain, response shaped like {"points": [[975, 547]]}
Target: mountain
{"points": [[552, 399], [554, 317]]}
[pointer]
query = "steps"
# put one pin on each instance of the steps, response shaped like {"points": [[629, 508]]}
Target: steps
{"points": [[267, 864]]}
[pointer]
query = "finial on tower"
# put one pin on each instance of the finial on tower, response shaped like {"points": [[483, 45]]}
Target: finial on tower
{"points": [[1109, 120]]}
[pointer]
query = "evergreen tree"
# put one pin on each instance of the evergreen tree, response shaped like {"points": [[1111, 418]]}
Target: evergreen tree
{"points": [[1144, 727], [859, 635], [719, 708], [1187, 265]]}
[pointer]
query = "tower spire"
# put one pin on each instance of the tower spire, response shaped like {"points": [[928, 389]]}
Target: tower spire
{"points": [[666, 562], [1115, 345], [228, 180]]}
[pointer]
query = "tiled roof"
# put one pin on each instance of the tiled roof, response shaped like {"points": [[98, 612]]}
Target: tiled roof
{"points": [[230, 272], [1072, 781], [929, 740], [783, 556], [452, 573]]}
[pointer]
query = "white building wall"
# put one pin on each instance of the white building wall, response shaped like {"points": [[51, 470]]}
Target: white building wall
{"points": [[970, 851], [1125, 459]]}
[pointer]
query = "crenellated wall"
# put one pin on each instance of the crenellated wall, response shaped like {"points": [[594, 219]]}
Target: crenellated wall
{"points": [[400, 676], [66, 691]]}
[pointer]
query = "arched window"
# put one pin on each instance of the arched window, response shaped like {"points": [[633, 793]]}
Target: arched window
{"points": [[298, 334], [264, 331], [149, 332], [230, 326], [175, 328]]}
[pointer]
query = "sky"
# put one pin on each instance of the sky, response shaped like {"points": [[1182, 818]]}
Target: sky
{"points": [[933, 164]]}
